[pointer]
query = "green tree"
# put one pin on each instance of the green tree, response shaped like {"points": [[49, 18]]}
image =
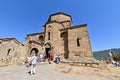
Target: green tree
{"points": [[116, 57]]}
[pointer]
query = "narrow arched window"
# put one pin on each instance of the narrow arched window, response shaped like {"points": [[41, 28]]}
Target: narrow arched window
{"points": [[8, 52], [78, 42], [48, 35], [0, 43]]}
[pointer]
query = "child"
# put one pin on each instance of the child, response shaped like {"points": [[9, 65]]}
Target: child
{"points": [[51, 57], [28, 61]]}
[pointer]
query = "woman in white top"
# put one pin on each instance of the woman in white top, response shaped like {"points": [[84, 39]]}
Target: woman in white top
{"points": [[33, 62]]}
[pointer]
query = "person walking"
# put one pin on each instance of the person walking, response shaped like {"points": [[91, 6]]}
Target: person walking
{"points": [[49, 56], [33, 62]]}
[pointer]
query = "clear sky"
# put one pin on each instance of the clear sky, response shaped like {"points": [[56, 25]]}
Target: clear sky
{"points": [[21, 17]]}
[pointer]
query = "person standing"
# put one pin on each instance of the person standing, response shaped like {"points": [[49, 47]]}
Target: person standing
{"points": [[44, 56], [58, 59], [33, 62], [28, 61], [49, 56], [41, 57]]}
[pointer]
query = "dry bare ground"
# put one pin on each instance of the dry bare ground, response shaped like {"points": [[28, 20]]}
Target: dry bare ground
{"points": [[45, 71]]}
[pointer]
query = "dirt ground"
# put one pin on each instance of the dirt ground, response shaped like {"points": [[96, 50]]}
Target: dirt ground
{"points": [[45, 71]]}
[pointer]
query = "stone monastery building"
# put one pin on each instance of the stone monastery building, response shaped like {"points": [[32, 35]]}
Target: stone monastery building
{"points": [[58, 36]]}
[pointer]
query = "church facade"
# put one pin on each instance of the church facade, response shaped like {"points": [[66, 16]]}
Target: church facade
{"points": [[61, 38]]}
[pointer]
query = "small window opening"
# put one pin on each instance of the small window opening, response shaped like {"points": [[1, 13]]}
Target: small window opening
{"points": [[78, 42], [48, 35], [8, 52], [41, 38]]}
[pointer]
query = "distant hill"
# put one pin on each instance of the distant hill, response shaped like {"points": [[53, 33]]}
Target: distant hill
{"points": [[101, 55]]}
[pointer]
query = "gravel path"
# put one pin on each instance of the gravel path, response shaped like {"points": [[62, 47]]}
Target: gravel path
{"points": [[43, 72]]}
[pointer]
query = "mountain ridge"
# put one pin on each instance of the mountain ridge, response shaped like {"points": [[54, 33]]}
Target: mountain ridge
{"points": [[104, 54]]}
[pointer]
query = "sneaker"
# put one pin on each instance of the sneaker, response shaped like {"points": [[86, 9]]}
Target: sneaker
{"points": [[29, 72], [33, 73]]}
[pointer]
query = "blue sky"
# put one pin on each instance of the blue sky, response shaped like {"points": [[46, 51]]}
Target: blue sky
{"points": [[21, 17]]}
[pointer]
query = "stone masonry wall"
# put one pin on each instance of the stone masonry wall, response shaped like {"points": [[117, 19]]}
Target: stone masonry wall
{"points": [[11, 52], [55, 38], [60, 18], [84, 49]]}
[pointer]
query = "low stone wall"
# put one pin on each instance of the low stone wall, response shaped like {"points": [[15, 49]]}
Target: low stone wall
{"points": [[15, 61], [86, 63]]}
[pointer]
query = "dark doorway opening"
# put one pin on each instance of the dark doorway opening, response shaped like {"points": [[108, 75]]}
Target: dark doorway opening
{"points": [[35, 49], [47, 50]]}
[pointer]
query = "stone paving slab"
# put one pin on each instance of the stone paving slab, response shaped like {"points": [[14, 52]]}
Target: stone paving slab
{"points": [[52, 71]]}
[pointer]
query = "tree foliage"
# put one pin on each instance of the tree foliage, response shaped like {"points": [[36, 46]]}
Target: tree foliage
{"points": [[102, 55], [116, 57]]}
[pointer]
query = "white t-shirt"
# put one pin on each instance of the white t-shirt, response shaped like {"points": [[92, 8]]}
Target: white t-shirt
{"points": [[34, 59], [41, 56]]}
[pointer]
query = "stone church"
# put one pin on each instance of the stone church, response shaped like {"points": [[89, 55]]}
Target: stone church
{"points": [[59, 37]]}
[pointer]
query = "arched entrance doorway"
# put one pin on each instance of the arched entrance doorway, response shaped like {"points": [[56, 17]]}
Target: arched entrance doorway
{"points": [[47, 49], [35, 49]]}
